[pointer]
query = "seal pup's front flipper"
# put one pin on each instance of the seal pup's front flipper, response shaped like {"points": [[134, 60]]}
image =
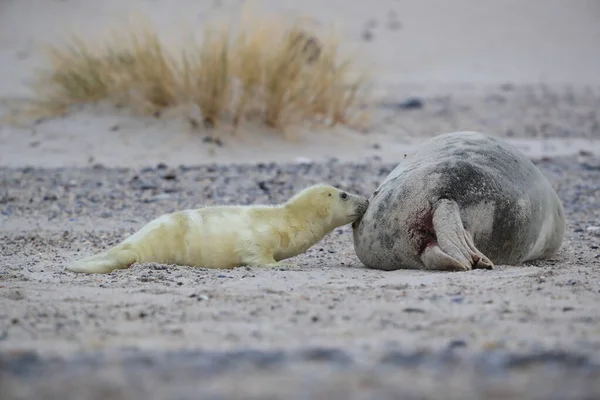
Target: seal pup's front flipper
{"points": [[118, 257], [453, 249]]}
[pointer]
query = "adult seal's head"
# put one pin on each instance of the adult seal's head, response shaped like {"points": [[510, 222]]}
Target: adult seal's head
{"points": [[461, 200]]}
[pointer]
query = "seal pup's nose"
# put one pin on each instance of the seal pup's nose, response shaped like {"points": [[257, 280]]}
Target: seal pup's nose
{"points": [[362, 207]]}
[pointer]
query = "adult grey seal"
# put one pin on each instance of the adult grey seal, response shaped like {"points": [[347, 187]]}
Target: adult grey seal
{"points": [[460, 201]]}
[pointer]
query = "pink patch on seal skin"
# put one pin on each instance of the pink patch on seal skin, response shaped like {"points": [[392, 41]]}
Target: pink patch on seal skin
{"points": [[431, 243], [421, 230]]}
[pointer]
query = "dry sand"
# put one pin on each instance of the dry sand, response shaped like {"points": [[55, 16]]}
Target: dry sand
{"points": [[328, 328]]}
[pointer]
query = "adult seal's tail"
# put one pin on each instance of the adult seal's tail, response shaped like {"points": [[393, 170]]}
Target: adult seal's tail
{"points": [[462, 200], [233, 236]]}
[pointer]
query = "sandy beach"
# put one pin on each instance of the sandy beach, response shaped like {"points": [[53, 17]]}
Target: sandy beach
{"points": [[328, 327]]}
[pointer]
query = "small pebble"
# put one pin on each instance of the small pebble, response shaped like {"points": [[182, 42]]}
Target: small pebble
{"points": [[413, 103], [170, 175], [414, 310], [456, 343]]}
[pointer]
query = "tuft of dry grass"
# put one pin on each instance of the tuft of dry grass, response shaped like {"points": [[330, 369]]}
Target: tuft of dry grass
{"points": [[268, 70], [128, 69]]}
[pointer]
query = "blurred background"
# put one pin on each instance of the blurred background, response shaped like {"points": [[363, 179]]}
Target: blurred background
{"points": [[471, 54], [424, 41]]}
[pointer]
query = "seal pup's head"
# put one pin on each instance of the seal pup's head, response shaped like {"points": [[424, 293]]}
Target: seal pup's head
{"points": [[326, 202]]}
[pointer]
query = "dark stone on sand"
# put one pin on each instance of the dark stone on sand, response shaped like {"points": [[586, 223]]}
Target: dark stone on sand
{"points": [[456, 343], [412, 103], [335, 356], [263, 186], [213, 140], [591, 165], [414, 310], [141, 184], [170, 175]]}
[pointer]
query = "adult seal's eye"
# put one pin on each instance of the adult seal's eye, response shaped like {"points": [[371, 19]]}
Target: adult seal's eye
{"points": [[344, 196]]}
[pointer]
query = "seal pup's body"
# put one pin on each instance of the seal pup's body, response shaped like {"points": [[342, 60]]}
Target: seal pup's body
{"points": [[233, 236], [460, 201]]}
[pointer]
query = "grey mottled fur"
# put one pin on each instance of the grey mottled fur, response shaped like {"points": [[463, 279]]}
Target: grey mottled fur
{"points": [[462, 200]]}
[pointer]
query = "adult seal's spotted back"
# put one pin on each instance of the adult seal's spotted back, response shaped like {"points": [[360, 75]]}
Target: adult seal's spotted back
{"points": [[460, 201]]}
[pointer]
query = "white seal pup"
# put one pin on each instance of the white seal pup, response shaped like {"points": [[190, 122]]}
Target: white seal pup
{"points": [[233, 236], [460, 201]]}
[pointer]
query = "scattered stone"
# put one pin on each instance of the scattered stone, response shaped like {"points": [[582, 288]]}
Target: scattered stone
{"points": [[411, 103], [213, 140], [142, 184], [335, 356], [414, 310], [456, 343], [263, 186], [591, 165], [170, 175]]}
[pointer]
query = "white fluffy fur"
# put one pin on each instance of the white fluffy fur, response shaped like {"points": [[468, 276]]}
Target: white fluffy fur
{"points": [[232, 236]]}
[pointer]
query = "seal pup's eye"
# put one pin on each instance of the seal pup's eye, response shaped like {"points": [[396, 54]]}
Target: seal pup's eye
{"points": [[344, 196]]}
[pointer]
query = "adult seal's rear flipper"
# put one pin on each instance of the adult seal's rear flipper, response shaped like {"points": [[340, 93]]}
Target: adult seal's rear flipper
{"points": [[452, 248]]}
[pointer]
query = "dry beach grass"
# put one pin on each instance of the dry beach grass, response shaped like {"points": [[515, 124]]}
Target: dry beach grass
{"points": [[278, 72]]}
